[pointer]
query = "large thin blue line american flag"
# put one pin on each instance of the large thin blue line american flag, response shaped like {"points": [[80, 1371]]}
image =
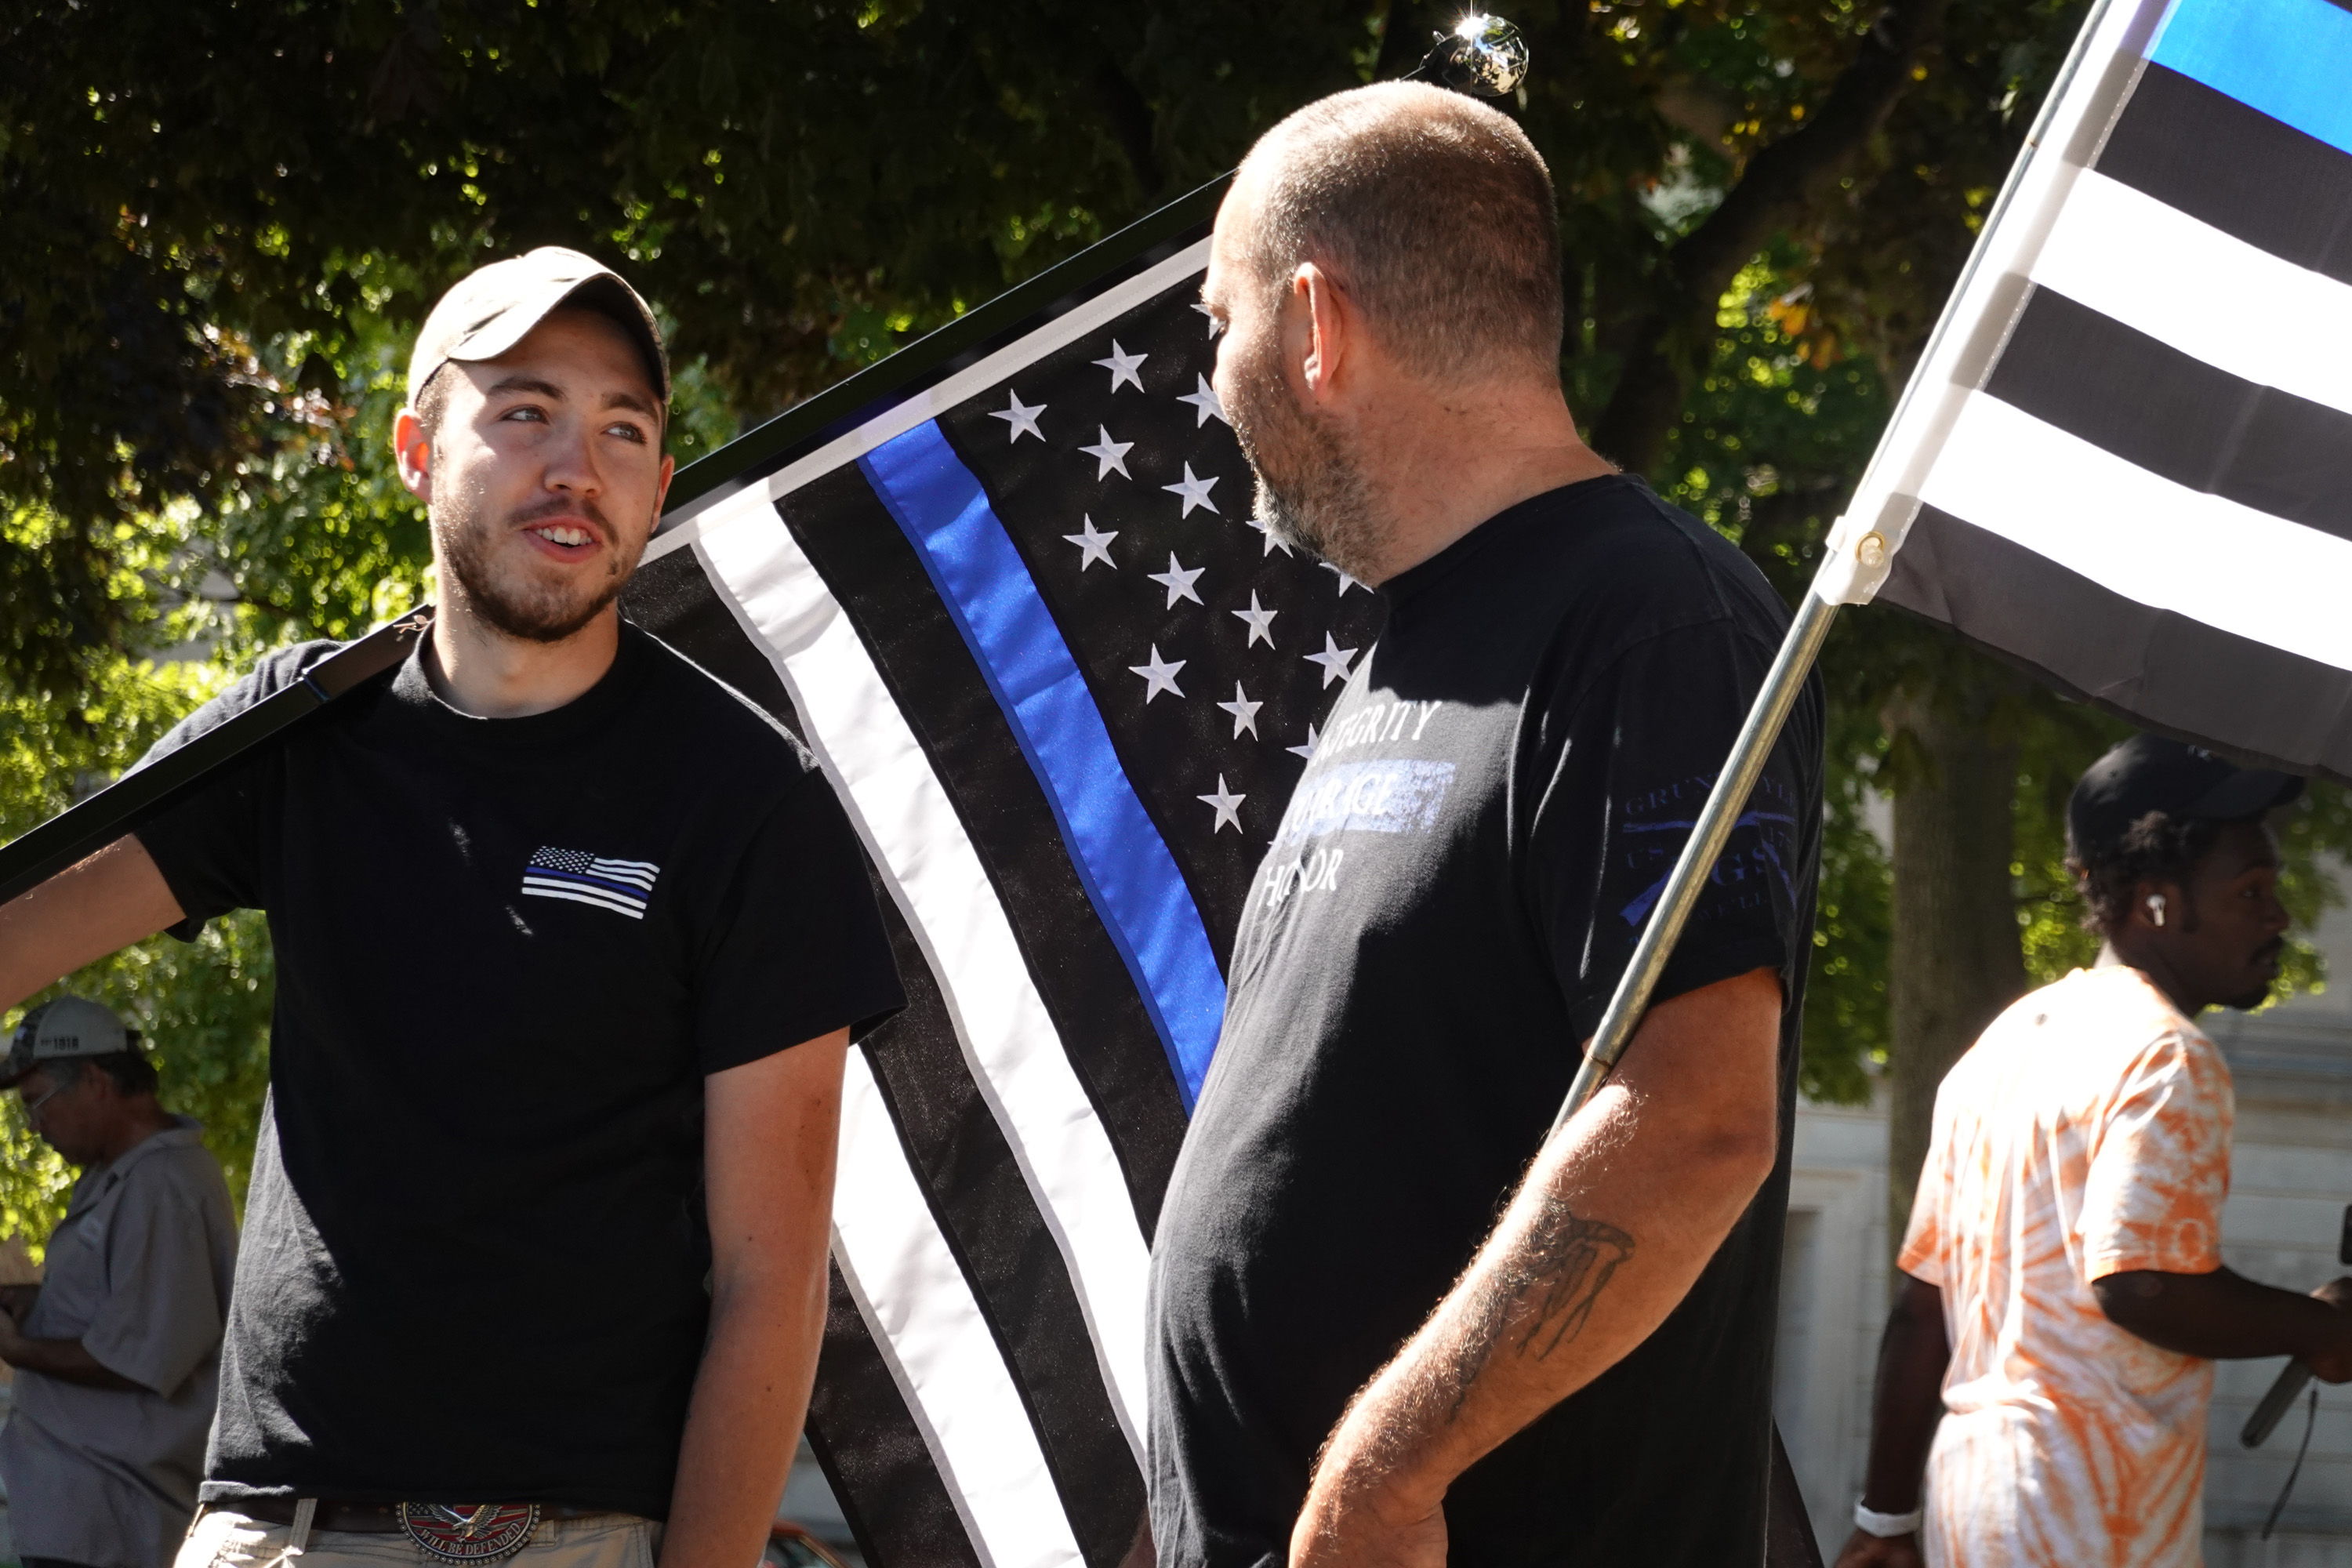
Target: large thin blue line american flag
{"points": [[1064, 688]]}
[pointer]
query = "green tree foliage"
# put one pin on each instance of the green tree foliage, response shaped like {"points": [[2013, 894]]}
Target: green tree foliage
{"points": [[226, 220], [205, 1007], [209, 202]]}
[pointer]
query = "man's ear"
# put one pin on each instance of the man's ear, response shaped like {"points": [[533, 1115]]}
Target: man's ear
{"points": [[415, 452], [2157, 906], [661, 486], [1324, 324]]}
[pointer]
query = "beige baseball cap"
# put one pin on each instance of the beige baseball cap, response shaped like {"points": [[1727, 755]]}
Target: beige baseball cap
{"points": [[493, 308]]}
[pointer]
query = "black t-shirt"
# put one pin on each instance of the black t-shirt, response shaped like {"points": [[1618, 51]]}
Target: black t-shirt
{"points": [[508, 952], [1482, 829]]}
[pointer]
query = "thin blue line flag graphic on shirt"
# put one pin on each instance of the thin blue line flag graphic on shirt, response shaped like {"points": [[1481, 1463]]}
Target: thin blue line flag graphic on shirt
{"points": [[621, 886]]}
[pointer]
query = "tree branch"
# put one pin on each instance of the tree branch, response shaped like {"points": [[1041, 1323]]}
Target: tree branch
{"points": [[1780, 185]]}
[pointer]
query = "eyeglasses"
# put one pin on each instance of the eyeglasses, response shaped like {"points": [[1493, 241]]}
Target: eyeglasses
{"points": [[33, 1107]]}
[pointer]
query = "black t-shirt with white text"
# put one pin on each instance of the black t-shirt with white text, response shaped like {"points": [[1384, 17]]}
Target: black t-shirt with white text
{"points": [[1482, 831], [508, 952]]}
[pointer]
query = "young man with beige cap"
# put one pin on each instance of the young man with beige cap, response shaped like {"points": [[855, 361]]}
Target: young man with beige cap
{"points": [[571, 943]]}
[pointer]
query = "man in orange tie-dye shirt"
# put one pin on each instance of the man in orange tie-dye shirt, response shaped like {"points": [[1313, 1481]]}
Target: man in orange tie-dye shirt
{"points": [[2050, 1356]]}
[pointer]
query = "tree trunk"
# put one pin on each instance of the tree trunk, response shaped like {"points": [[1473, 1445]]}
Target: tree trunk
{"points": [[1957, 961]]}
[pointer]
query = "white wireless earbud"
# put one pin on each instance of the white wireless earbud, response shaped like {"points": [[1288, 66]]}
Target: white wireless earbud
{"points": [[2156, 909]]}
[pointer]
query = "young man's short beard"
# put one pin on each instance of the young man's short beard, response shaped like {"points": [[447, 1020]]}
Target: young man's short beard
{"points": [[525, 612], [1310, 491]]}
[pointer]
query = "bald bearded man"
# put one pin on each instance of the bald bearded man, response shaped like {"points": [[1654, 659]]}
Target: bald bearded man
{"points": [[1355, 1360]]}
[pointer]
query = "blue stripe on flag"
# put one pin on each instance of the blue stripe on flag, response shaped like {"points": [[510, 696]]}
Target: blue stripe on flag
{"points": [[1120, 857], [2292, 59]]}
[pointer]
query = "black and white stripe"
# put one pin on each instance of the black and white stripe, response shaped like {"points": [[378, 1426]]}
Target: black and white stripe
{"points": [[2127, 459], [915, 1092]]}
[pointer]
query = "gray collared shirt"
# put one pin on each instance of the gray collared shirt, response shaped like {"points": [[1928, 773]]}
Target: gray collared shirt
{"points": [[139, 1272]]}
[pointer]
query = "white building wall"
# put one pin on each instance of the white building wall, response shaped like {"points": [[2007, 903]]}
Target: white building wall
{"points": [[1834, 1294]]}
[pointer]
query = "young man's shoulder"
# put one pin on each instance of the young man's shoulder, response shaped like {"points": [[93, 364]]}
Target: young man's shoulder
{"points": [[270, 674], [699, 709]]}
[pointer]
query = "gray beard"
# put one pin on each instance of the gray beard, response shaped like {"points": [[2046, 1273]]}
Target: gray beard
{"points": [[1311, 492]]}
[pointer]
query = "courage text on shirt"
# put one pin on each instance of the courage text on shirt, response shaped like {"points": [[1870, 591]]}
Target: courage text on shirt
{"points": [[1375, 795]]}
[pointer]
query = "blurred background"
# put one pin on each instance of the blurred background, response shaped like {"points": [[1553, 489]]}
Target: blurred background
{"points": [[224, 223]]}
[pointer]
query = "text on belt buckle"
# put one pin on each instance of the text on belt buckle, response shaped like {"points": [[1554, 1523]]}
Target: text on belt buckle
{"points": [[476, 1532]]}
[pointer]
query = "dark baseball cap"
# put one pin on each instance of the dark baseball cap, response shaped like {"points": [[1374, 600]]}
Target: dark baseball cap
{"points": [[493, 308], [2148, 773], [66, 1027]]}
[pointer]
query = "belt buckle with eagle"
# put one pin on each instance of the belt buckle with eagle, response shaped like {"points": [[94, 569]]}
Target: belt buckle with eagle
{"points": [[483, 1533]]}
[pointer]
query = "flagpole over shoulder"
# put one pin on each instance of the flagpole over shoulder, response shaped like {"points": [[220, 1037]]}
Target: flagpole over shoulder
{"points": [[1705, 845], [1858, 554]]}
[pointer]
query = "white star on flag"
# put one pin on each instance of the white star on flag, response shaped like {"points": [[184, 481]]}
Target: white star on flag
{"points": [[1178, 582], [1228, 806], [1333, 658], [1204, 403], [1122, 366], [1307, 750], [1109, 454], [1244, 710], [1272, 543], [1158, 676], [1346, 582], [1023, 419], [1195, 491], [1259, 620], [1093, 545], [1215, 326]]}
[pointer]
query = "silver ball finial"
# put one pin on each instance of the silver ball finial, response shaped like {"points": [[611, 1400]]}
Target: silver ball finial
{"points": [[1483, 56]]}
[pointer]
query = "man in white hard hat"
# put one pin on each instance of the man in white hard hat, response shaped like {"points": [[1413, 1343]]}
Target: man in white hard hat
{"points": [[571, 941], [116, 1354]]}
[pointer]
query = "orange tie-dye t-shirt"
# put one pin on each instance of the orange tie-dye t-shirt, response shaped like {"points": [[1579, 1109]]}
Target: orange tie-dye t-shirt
{"points": [[2086, 1133]]}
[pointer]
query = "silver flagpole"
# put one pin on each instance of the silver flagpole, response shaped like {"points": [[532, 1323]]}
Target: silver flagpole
{"points": [[1705, 845], [1854, 564]]}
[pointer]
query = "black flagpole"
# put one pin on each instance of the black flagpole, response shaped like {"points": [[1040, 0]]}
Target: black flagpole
{"points": [[140, 795]]}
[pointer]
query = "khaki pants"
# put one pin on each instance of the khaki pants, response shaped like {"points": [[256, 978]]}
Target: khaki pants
{"points": [[221, 1538]]}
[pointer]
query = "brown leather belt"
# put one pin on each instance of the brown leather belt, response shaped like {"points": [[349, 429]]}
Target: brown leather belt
{"points": [[372, 1518]]}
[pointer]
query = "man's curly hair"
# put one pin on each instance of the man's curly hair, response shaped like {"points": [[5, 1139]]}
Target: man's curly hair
{"points": [[2156, 847]]}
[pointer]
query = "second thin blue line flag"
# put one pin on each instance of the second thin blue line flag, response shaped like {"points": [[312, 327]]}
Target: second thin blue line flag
{"points": [[2125, 460]]}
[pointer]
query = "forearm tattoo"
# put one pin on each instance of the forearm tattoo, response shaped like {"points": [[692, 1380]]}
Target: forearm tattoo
{"points": [[1542, 1297]]}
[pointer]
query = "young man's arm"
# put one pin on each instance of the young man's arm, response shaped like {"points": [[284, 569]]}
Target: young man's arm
{"points": [[79, 916], [1905, 1408], [770, 1131], [1606, 1235], [2224, 1316]]}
